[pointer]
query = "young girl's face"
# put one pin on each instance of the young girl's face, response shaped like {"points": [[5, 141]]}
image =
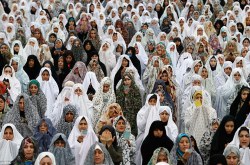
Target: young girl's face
{"points": [[229, 127], [45, 75], [213, 62], [83, 125], [60, 63], [244, 94], [204, 73], [16, 48], [120, 126], [69, 59], [152, 101], [164, 116], [43, 127], [78, 92], [106, 88]]}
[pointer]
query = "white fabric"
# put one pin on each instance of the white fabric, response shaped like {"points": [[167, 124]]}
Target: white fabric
{"points": [[221, 78], [244, 68], [32, 50], [171, 128], [90, 77], [21, 53], [83, 105], [44, 154], [80, 149], [15, 86], [49, 88], [9, 149], [55, 114], [174, 55]]}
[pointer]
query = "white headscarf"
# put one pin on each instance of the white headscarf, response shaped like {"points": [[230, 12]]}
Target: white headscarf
{"points": [[32, 50], [43, 155], [49, 88], [21, 53], [90, 77], [171, 128], [79, 149], [9, 149]]}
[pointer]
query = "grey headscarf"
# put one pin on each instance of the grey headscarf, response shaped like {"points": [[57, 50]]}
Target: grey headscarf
{"points": [[39, 100], [232, 149], [90, 156], [63, 126], [63, 155], [31, 116]]}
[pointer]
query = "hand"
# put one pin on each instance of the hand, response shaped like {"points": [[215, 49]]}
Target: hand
{"points": [[106, 138], [80, 139], [110, 142], [186, 155]]}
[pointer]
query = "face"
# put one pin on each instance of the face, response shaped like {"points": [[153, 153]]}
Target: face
{"points": [[196, 83], [29, 151], [33, 89], [83, 125], [105, 47], [21, 104], [152, 101], [221, 60], [244, 95], [198, 97], [184, 144], [69, 59], [59, 143], [58, 44], [46, 161], [45, 75], [14, 64], [106, 88], [164, 116], [60, 63], [228, 70], [78, 92], [229, 127], [8, 134], [158, 133], [232, 159], [127, 81], [43, 127], [4, 49], [213, 62], [215, 126], [120, 126], [162, 157], [197, 67], [237, 76], [124, 62], [69, 117], [244, 139], [2, 105], [99, 157], [31, 63], [204, 73], [8, 71]]}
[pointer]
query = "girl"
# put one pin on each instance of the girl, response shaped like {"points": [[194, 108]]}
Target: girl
{"points": [[82, 135], [48, 86], [32, 67]]}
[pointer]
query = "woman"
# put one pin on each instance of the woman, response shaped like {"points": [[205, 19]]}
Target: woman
{"points": [[10, 141], [131, 52], [166, 117], [223, 135], [57, 51], [20, 74], [77, 73], [32, 67], [119, 69], [225, 96], [60, 148], [156, 138], [51, 66], [45, 158], [77, 49], [12, 83], [125, 139], [239, 101], [198, 116], [93, 55], [107, 136], [243, 114], [126, 94], [27, 152], [81, 101], [4, 108], [81, 138], [37, 97], [205, 143], [98, 154], [43, 134], [232, 155], [67, 120], [95, 67], [183, 153], [161, 154], [104, 96], [24, 115]]}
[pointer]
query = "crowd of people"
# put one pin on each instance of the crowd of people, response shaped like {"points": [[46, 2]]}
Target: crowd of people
{"points": [[124, 82]]}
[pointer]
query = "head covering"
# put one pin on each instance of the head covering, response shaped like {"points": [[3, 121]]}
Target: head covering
{"points": [[157, 152], [44, 139], [43, 155], [89, 139], [151, 142], [30, 116], [218, 159], [32, 72], [63, 155], [90, 156], [63, 126]]}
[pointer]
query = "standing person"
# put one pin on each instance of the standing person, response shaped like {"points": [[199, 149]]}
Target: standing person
{"points": [[127, 93]]}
